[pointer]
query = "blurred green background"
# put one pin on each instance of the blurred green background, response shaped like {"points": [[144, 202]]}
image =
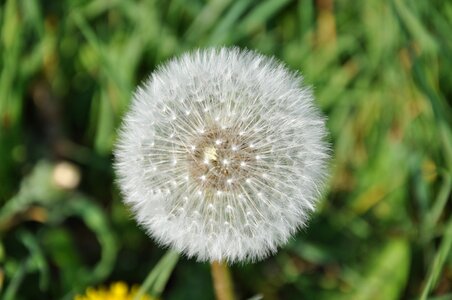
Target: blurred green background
{"points": [[381, 70]]}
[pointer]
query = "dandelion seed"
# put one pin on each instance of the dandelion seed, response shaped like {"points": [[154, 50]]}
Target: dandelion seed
{"points": [[251, 154]]}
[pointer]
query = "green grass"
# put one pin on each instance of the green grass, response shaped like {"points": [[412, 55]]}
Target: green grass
{"points": [[381, 72]]}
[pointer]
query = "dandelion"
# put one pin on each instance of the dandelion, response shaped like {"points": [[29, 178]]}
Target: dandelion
{"points": [[116, 291], [222, 155]]}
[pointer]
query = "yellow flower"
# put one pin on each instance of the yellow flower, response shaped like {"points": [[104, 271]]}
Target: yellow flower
{"points": [[117, 291]]}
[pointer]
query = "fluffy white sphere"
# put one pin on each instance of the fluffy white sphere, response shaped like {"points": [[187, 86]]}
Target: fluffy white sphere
{"points": [[222, 155]]}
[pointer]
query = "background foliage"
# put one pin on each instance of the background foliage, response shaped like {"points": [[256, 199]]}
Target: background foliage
{"points": [[382, 73]]}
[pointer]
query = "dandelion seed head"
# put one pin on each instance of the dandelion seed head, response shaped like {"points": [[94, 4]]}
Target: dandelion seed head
{"points": [[222, 155]]}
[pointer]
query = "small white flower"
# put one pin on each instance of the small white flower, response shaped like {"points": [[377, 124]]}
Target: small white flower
{"points": [[222, 155]]}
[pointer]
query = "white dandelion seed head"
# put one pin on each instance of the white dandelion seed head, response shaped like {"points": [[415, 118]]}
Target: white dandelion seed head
{"points": [[222, 155]]}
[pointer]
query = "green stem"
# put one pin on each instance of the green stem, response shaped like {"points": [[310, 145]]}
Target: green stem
{"points": [[159, 275], [438, 261]]}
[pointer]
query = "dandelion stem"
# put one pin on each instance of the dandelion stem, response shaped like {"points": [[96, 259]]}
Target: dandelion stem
{"points": [[222, 282]]}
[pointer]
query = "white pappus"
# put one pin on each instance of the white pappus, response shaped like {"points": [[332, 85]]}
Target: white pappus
{"points": [[222, 155]]}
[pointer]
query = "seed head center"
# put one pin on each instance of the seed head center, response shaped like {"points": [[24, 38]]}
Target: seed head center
{"points": [[220, 160]]}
